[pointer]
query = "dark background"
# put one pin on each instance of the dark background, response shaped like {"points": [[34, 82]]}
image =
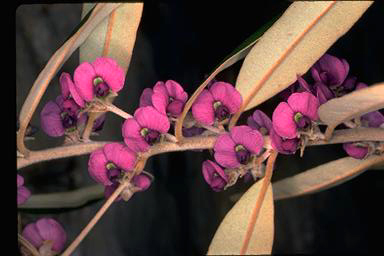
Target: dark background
{"points": [[179, 213]]}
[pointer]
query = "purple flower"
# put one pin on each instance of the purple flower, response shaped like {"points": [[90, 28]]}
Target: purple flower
{"points": [[298, 113], [192, 131], [237, 147], [140, 183], [22, 192], [217, 103], [214, 175], [356, 151], [169, 98], [300, 85], [46, 232], [68, 89], [145, 128], [330, 70], [108, 164], [260, 121], [98, 78], [60, 116], [372, 119], [283, 146], [146, 97], [323, 93]]}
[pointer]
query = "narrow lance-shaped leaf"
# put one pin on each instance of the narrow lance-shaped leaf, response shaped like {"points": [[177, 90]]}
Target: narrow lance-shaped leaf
{"points": [[238, 54], [248, 228], [115, 36], [54, 64], [323, 177], [292, 45], [231, 233], [351, 105]]}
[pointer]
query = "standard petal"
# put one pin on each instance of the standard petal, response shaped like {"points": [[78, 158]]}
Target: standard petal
{"points": [[176, 91], [287, 147], [132, 137], [160, 101], [175, 108], [83, 78], [323, 94], [120, 155], [283, 121], [259, 119], [97, 167], [305, 103], [50, 229], [142, 181], [50, 120], [202, 108], [227, 95], [210, 167], [251, 139], [150, 118], [225, 151], [32, 234], [65, 80], [22, 195], [20, 180], [110, 71], [335, 69], [373, 119], [146, 97]]}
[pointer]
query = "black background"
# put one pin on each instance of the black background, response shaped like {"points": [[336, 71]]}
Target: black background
{"points": [[178, 215]]}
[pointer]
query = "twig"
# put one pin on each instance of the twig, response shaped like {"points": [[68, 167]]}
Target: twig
{"points": [[89, 126], [95, 219], [26, 244], [112, 108]]}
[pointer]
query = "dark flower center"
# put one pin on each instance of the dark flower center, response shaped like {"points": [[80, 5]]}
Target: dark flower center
{"points": [[301, 120], [68, 120], [221, 111], [114, 173], [242, 154], [101, 88], [150, 136]]}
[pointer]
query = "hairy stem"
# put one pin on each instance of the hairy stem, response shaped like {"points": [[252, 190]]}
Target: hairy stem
{"points": [[112, 108], [95, 219], [88, 128]]}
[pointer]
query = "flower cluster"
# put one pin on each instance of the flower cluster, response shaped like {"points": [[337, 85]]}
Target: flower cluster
{"points": [[67, 115]]}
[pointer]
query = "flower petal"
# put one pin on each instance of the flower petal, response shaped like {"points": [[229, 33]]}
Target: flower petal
{"points": [[108, 191], [83, 78], [50, 120], [323, 94], [99, 123], [50, 229], [22, 195], [97, 167], [32, 234], [251, 139], [146, 97], [225, 153], [142, 181], [176, 91], [20, 180], [336, 70], [120, 155], [132, 137], [160, 101], [110, 71], [354, 151], [214, 175], [150, 118], [373, 119], [305, 103], [64, 80], [202, 108], [258, 120], [283, 146], [175, 108], [283, 121], [227, 95]]}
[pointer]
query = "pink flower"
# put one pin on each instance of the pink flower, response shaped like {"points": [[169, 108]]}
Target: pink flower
{"points": [[217, 103], [145, 128], [283, 146], [43, 231], [108, 164], [169, 97], [237, 147], [214, 175], [330, 70], [146, 97], [355, 151], [60, 116], [260, 121], [140, 183], [22, 192], [298, 113], [98, 78], [68, 89]]}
